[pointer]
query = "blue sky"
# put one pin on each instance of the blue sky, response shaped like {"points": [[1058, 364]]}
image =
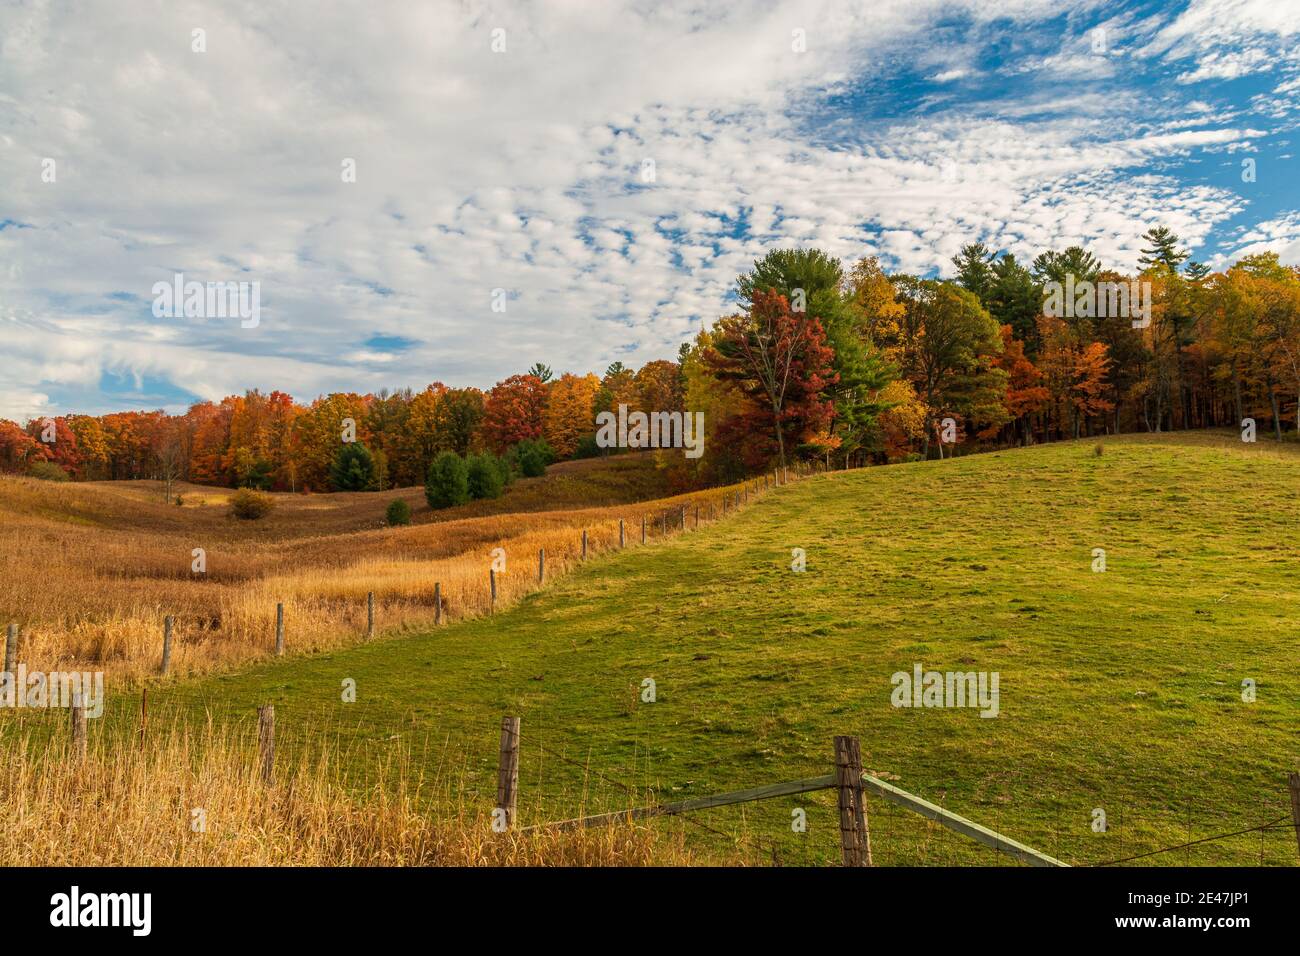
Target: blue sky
{"points": [[605, 170]]}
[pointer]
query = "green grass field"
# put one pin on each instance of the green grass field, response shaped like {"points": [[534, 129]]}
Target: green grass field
{"points": [[1119, 690]]}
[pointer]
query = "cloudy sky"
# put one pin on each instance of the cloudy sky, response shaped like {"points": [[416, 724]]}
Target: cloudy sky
{"points": [[610, 165]]}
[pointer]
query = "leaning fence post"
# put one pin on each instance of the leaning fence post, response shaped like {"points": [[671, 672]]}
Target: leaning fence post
{"points": [[855, 838], [508, 772], [78, 726], [437, 603], [1293, 782], [167, 643], [279, 630], [541, 565], [370, 614], [266, 741], [584, 544], [11, 648]]}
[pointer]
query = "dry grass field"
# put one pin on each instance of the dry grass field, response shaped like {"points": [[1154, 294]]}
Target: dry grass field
{"points": [[90, 570], [194, 798]]}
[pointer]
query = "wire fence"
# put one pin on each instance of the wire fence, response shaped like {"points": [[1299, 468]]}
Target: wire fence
{"points": [[562, 775]]}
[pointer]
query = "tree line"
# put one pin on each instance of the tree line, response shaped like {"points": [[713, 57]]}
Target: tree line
{"points": [[816, 361]]}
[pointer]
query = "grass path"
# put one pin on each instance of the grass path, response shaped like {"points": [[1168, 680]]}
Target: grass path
{"points": [[1120, 691]]}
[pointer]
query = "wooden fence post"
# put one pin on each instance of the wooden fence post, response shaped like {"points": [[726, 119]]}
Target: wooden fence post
{"points": [[266, 741], [79, 726], [541, 565], [697, 516], [855, 839], [11, 649], [663, 525], [508, 770], [620, 532], [437, 603], [492, 583], [167, 643], [683, 517], [1293, 782], [279, 630], [643, 529], [370, 614], [584, 544]]}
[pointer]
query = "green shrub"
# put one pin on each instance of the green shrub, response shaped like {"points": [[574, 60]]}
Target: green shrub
{"points": [[47, 471], [251, 505], [399, 512], [587, 447], [532, 456], [483, 476], [353, 468], [504, 470], [447, 482]]}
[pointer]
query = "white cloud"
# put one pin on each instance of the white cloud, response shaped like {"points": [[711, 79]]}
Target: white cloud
{"points": [[520, 171]]}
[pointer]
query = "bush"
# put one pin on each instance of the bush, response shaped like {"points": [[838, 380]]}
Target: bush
{"points": [[484, 476], [587, 447], [504, 470], [353, 468], [251, 505], [532, 456], [447, 482], [399, 512], [47, 471]]}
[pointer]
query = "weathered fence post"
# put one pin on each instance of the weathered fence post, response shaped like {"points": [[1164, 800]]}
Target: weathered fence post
{"points": [[492, 583], [11, 648], [541, 565], [584, 544], [663, 525], [620, 532], [643, 529], [1293, 782], [508, 770], [697, 516], [78, 726], [167, 643], [279, 630], [855, 839], [370, 614], [437, 603], [266, 741], [683, 517]]}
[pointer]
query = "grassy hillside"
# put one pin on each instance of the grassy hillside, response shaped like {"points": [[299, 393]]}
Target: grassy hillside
{"points": [[1120, 691]]}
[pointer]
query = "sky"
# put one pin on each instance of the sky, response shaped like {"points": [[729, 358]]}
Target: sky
{"points": [[581, 182]]}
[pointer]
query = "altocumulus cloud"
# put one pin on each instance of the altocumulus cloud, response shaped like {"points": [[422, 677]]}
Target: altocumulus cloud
{"points": [[902, 129]]}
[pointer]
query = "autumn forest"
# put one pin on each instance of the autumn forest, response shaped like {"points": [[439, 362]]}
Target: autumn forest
{"points": [[818, 361]]}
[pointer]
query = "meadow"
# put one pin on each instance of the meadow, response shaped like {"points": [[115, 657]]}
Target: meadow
{"points": [[90, 570], [1121, 691]]}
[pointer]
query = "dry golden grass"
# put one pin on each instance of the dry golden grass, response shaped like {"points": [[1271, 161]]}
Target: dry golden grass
{"points": [[135, 806], [89, 571]]}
